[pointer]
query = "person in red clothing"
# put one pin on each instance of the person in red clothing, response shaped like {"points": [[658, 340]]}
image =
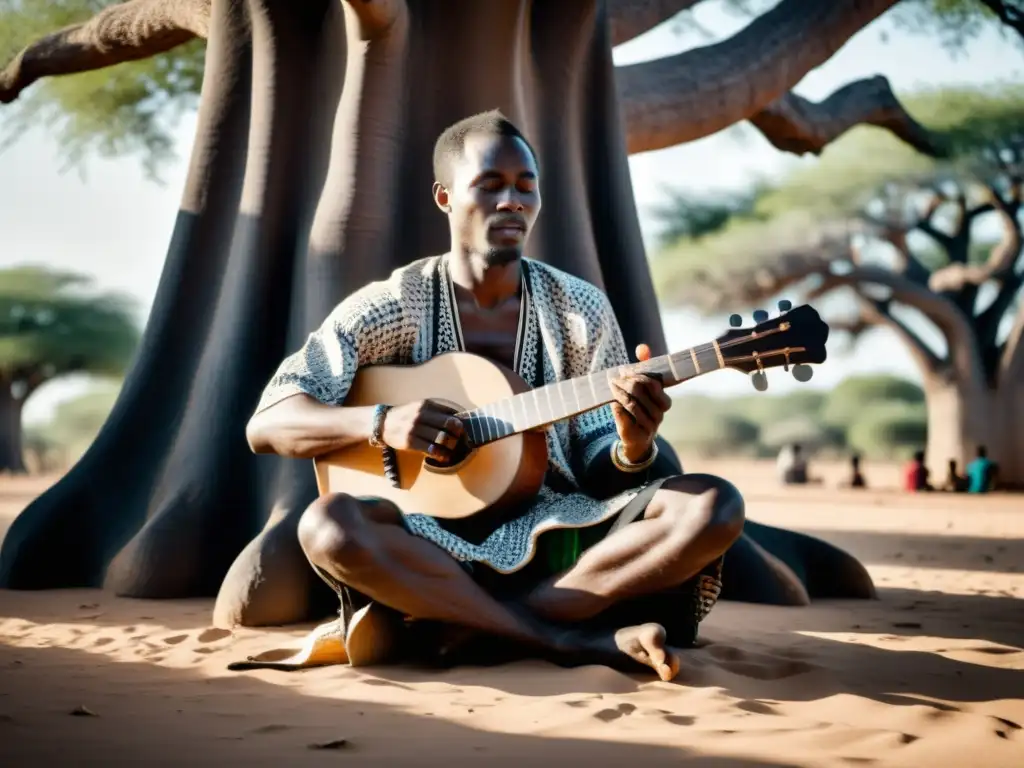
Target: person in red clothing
{"points": [[915, 476]]}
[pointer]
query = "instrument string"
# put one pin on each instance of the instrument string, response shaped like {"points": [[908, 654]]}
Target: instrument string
{"points": [[661, 365]]}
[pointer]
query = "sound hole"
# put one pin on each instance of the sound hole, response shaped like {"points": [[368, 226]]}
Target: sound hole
{"points": [[462, 452]]}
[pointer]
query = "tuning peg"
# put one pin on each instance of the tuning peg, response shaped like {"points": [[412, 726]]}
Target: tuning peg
{"points": [[785, 305], [760, 380], [760, 315], [735, 321], [802, 372]]}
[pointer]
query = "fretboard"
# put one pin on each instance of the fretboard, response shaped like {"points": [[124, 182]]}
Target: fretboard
{"points": [[561, 400]]}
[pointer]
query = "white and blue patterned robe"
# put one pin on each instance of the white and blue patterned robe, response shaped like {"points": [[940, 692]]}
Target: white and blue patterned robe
{"points": [[568, 330]]}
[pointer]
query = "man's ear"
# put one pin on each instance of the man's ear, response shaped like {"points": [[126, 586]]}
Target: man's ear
{"points": [[441, 197]]}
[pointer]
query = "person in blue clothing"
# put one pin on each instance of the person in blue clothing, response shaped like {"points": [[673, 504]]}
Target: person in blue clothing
{"points": [[981, 473]]}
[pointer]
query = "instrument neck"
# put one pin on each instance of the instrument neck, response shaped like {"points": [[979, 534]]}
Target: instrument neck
{"points": [[564, 399]]}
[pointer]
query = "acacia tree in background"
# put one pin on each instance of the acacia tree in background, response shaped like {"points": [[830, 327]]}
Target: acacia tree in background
{"points": [[308, 178], [903, 232], [52, 325]]}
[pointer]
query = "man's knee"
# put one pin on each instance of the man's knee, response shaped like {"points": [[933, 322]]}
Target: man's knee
{"points": [[719, 516], [337, 529]]}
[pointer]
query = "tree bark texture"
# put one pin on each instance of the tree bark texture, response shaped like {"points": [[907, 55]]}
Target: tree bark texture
{"points": [[721, 84], [963, 415], [11, 456], [128, 31], [664, 102], [974, 391], [307, 180], [968, 405], [966, 408], [795, 124]]}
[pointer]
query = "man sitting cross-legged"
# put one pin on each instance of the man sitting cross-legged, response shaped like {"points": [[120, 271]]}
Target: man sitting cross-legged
{"points": [[630, 553]]}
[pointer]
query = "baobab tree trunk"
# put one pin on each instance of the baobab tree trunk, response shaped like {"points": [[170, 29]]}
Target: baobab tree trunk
{"points": [[1008, 442], [962, 417], [1009, 407], [966, 407], [310, 176], [959, 420], [11, 456], [266, 243]]}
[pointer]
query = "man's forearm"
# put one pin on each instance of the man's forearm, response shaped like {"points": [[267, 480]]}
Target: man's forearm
{"points": [[302, 428]]}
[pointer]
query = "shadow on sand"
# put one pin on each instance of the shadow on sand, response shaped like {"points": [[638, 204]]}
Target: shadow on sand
{"points": [[148, 715], [923, 550]]}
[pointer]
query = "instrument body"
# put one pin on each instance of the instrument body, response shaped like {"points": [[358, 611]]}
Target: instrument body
{"points": [[497, 476], [505, 460]]}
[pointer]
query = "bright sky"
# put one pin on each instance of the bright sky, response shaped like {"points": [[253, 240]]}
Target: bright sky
{"points": [[114, 224]]}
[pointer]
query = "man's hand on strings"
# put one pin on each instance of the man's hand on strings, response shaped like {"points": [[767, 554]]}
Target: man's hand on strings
{"points": [[639, 408]]}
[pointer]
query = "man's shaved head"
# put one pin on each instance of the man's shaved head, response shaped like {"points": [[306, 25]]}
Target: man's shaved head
{"points": [[451, 143]]}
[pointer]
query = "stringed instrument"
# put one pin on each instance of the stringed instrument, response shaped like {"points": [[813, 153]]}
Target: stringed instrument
{"points": [[503, 459]]}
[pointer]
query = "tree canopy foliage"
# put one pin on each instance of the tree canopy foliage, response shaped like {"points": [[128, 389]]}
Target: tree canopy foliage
{"points": [[296, 180], [54, 323], [805, 222], [828, 423], [688, 215], [929, 248], [128, 109], [132, 108]]}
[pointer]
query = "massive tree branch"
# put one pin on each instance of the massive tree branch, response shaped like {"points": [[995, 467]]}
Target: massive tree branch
{"points": [[1001, 261], [795, 124], [894, 232], [926, 224], [874, 311], [770, 274], [855, 327], [1010, 16], [795, 267], [879, 313], [947, 316], [1011, 362], [631, 18], [129, 31], [699, 92]]}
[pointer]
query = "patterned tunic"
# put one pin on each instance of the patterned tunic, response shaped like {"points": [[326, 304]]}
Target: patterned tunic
{"points": [[567, 329]]}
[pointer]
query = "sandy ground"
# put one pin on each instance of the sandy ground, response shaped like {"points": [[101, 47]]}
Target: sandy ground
{"points": [[932, 674]]}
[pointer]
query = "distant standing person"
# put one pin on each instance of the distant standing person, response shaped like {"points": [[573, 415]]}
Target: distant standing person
{"points": [[916, 475], [981, 473]]}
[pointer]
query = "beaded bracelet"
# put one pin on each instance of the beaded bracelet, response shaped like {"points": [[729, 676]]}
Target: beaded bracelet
{"points": [[377, 430], [388, 454]]}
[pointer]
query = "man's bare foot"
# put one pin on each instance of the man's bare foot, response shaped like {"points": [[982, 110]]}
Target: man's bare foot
{"points": [[646, 644], [628, 649]]}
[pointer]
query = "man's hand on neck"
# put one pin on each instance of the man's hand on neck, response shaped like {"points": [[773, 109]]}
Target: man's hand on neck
{"points": [[491, 285]]}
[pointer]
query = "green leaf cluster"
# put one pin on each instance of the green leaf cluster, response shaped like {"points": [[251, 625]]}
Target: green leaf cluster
{"points": [[866, 166], [128, 109], [54, 322], [131, 109], [877, 416]]}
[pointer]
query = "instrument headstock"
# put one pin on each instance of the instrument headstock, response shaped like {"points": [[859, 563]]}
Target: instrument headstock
{"points": [[795, 339]]}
